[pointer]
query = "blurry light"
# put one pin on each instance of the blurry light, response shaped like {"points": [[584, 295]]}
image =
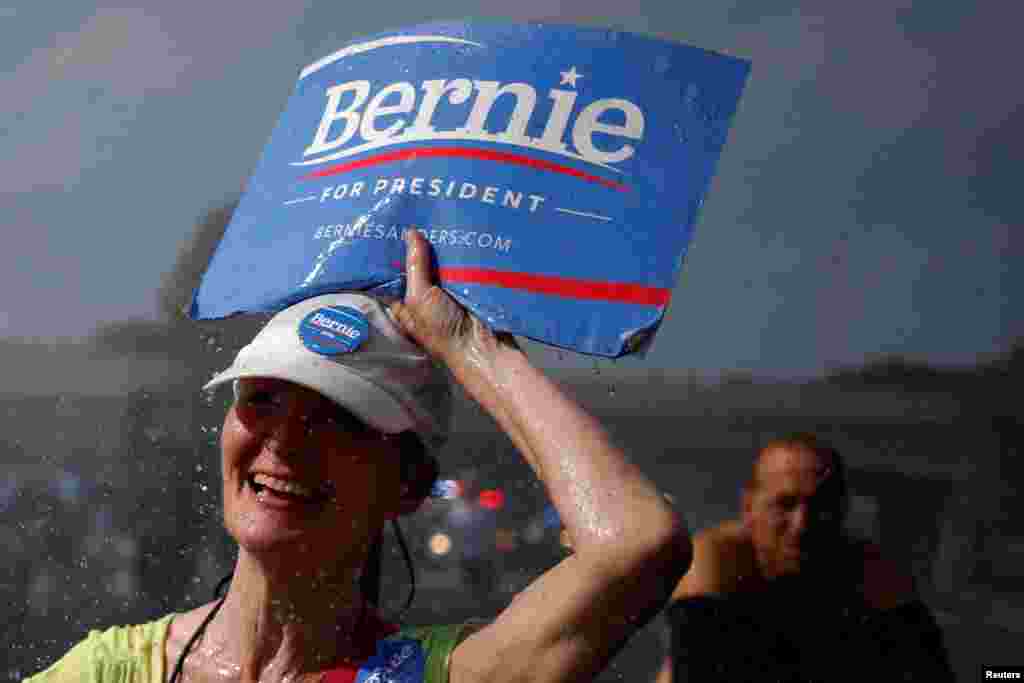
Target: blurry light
{"points": [[447, 489], [68, 487], [440, 544], [504, 540], [492, 499], [459, 513]]}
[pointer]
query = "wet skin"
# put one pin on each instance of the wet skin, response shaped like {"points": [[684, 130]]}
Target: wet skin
{"points": [[292, 433]]}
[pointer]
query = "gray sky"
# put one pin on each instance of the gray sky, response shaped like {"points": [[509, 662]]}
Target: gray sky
{"points": [[863, 203]]}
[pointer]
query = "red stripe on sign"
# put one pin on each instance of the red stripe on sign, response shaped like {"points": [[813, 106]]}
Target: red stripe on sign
{"points": [[622, 292], [465, 153]]}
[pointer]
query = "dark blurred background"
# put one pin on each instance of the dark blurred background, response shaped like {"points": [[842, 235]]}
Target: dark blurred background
{"points": [[111, 501]]}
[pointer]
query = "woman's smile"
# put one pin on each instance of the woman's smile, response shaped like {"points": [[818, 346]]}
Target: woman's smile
{"points": [[284, 494]]}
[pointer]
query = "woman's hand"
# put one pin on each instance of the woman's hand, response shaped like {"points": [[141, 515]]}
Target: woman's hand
{"points": [[436, 321]]}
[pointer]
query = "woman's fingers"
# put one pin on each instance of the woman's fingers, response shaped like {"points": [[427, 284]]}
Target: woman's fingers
{"points": [[417, 266], [417, 284], [433, 318], [427, 313]]}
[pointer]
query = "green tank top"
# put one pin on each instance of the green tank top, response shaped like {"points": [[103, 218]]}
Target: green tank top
{"points": [[135, 654]]}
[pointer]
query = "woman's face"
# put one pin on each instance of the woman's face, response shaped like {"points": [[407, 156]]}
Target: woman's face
{"points": [[301, 474]]}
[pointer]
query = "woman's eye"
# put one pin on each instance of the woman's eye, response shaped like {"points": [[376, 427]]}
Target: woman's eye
{"points": [[258, 398]]}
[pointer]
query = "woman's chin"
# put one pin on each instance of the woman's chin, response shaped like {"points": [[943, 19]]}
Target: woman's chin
{"points": [[305, 545]]}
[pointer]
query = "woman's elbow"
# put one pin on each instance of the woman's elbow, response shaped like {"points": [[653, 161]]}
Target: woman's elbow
{"points": [[667, 552]]}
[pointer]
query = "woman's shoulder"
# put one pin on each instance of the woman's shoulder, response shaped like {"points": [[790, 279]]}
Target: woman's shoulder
{"points": [[118, 654]]}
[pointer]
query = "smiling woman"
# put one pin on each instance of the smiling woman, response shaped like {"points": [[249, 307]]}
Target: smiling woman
{"points": [[339, 407]]}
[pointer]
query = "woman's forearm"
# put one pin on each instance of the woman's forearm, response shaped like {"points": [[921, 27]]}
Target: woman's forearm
{"points": [[602, 498]]}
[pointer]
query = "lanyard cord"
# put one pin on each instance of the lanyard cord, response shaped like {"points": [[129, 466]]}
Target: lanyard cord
{"points": [[201, 629], [362, 611], [209, 617]]}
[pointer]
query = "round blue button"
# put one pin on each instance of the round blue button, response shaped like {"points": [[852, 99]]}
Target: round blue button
{"points": [[334, 330]]}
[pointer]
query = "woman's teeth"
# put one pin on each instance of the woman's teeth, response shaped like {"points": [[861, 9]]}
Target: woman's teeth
{"points": [[292, 487]]}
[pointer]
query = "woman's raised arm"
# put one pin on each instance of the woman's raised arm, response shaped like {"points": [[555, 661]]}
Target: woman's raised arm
{"points": [[630, 547]]}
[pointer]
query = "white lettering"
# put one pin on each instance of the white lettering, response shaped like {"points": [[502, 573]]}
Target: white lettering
{"points": [[320, 320], [489, 92], [587, 124], [558, 121], [512, 199], [376, 109], [331, 114], [460, 89], [380, 120], [451, 189]]}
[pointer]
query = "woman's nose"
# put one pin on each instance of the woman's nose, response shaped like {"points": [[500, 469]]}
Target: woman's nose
{"points": [[289, 434]]}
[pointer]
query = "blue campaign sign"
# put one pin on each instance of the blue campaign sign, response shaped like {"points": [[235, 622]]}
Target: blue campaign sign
{"points": [[557, 171]]}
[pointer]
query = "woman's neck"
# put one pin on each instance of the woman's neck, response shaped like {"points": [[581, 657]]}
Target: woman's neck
{"points": [[278, 623]]}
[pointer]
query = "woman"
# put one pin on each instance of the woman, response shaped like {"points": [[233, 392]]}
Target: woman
{"points": [[318, 454]]}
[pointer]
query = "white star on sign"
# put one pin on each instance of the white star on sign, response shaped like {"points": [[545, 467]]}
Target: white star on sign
{"points": [[569, 77]]}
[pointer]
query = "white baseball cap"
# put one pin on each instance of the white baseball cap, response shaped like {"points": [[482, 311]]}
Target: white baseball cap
{"points": [[347, 347]]}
